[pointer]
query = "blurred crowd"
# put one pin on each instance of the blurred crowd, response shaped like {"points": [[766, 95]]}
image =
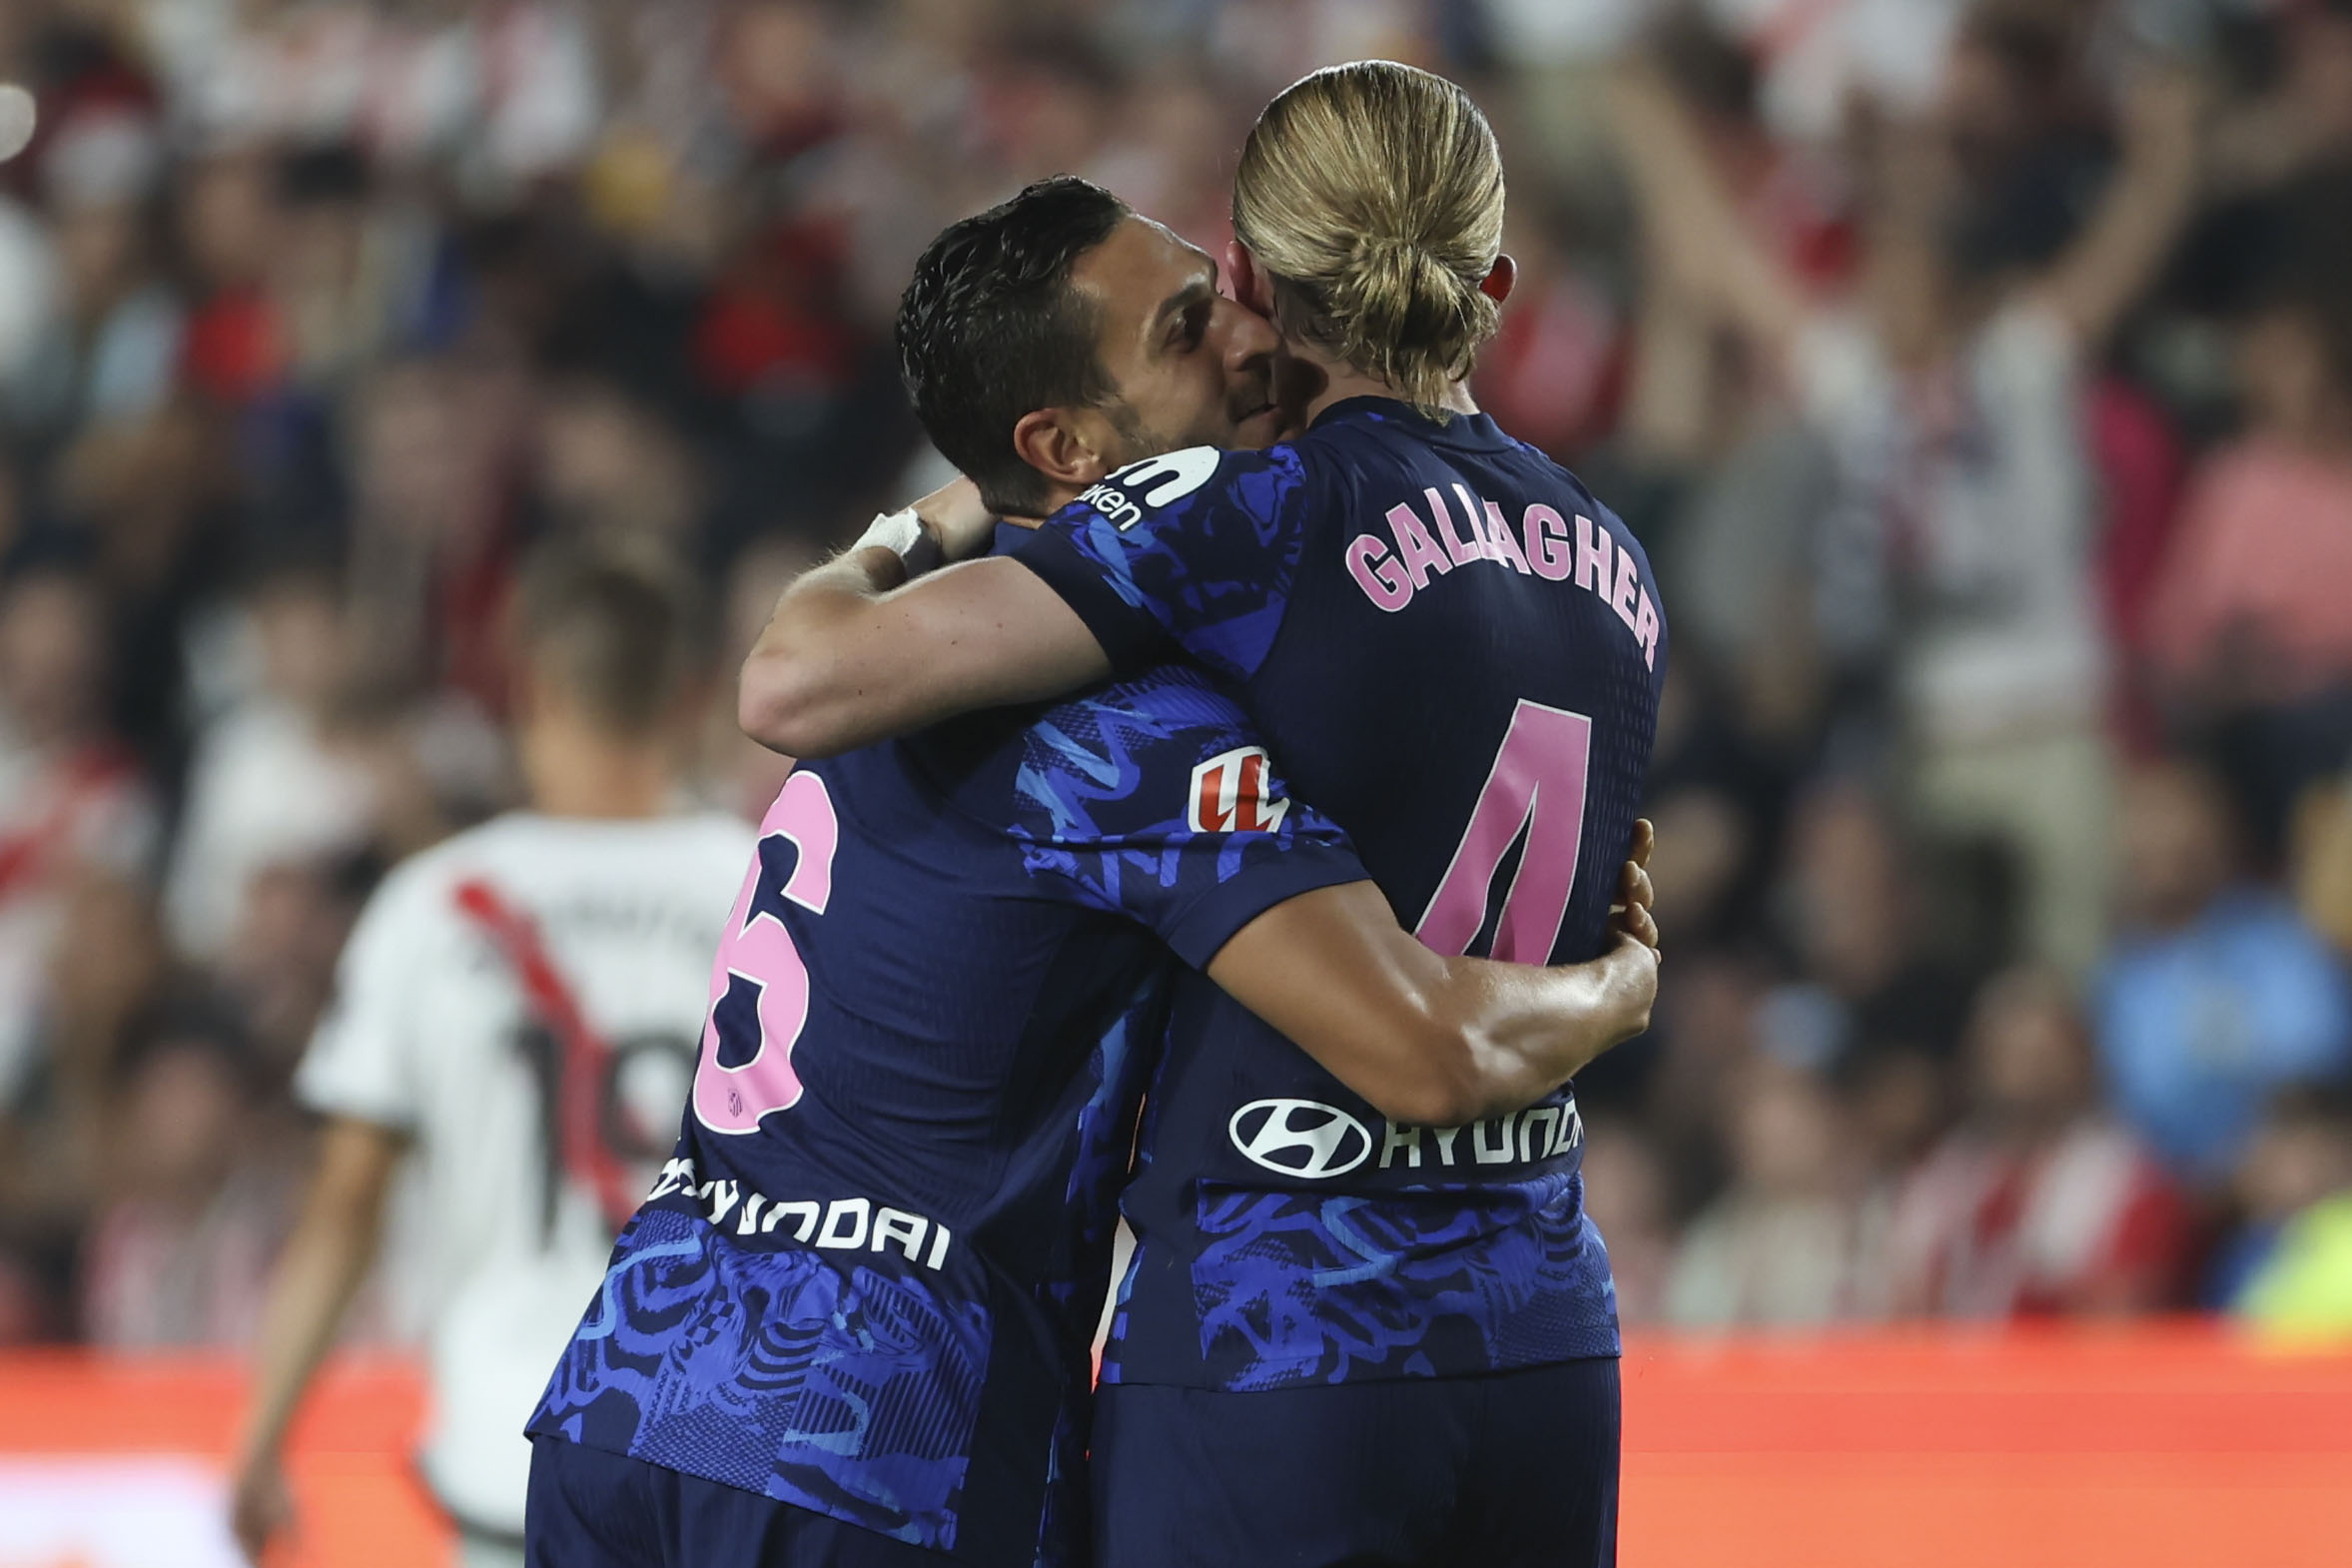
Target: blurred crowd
{"points": [[1979, 376]]}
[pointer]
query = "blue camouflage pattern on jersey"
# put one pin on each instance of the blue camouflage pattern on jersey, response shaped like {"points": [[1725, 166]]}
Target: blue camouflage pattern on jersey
{"points": [[1230, 619], [1084, 823], [912, 1388], [1288, 1286], [845, 1387], [840, 1388], [1298, 1288]]}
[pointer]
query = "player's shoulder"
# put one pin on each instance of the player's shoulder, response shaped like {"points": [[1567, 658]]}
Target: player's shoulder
{"points": [[1127, 757], [415, 903], [441, 867], [1199, 480], [518, 845], [1164, 713], [1579, 499]]}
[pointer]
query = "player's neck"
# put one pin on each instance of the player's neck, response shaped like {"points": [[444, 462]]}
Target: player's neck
{"points": [[1342, 381], [573, 771]]}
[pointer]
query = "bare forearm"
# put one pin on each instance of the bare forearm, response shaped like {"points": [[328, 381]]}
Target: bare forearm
{"points": [[2094, 289], [2151, 197], [316, 1276], [1697, 236], [798, 692], [1667, 413], [1427, 1040], [851, 657], [1527, 1031], [330, 1254]]}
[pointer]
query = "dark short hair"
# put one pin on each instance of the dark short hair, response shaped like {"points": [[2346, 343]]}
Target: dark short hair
{"points": [[616, 623], [990, 329]]}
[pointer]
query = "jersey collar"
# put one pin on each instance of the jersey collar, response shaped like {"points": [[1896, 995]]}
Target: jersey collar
{"points": [[1477, 432]]}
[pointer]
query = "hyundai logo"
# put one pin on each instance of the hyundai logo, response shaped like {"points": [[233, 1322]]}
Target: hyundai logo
{"points": [[1300, 1137]]}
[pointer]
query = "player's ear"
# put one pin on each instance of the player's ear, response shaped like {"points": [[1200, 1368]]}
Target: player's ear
{"points": [[1056, 446], [1250, 282], [1500, 278]]}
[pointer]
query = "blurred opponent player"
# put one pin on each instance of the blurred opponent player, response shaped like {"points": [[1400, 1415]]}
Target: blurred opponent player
{"points": [[519, 1007], [850, 1325], [1346, 1337]]}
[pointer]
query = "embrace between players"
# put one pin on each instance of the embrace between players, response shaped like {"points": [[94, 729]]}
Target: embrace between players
{"points": [[1126, 823], [1397, 669]]}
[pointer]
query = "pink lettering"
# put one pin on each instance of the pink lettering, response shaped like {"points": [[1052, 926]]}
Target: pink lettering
{"points": [[1455, 545], [1645, 629], [1548, 548], [1537, 782], [1499, 541], [1593, 549], [1377, 573], [757, 957], [1627, 587], [1420, 552]]}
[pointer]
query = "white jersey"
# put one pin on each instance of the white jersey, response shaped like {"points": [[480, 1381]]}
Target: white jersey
{"points": [[446, 1029]]}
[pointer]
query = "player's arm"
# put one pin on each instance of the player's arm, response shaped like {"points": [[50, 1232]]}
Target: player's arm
{"points": [[856, 653], [872, 643], [1197, 552], [1267, 895], [1433, 1041], [331, 1251]]}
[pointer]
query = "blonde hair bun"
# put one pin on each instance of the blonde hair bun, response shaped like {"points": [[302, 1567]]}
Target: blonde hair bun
{"points": [[1372, 193]]}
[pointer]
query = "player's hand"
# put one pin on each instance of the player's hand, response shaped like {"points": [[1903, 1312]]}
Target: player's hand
{"points": [[1631, 914], [259, 1506], [957, 519], [1632, 969]]}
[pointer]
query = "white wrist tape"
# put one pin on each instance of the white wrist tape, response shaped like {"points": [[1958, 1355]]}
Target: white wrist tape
{"points": [[903, 534]]}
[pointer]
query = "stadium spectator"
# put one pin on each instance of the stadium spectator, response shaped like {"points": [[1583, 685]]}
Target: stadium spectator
{"points": [[2299, 1156], [180, 1254], [2247, 630], [2217, 992], [2249, 609], [2298, 1188], [1793, 1242], [2035, 1204], [110, 345], [1949, 398], [269, 782], [105, 969], [72, 801], [1858, 932]]}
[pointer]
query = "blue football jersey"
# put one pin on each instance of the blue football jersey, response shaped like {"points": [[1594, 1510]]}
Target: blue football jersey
{"points": [[867, 1281], [1457, 652]]}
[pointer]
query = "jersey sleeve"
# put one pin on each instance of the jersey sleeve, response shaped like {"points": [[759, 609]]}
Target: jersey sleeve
{"points": [[1199, 546], [1153, 801], [362, 1059]]}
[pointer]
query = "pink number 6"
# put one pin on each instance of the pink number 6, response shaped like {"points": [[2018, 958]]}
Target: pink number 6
{"points": [[1537, 783], [758, 954]]}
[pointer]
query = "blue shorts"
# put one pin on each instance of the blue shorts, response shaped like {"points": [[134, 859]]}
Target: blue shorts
{"points": [[592, 1509], [1509, 1470]]}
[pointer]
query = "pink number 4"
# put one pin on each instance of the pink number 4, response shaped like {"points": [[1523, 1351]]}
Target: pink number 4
{"points": [[757, 957], [1537, 783]]}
